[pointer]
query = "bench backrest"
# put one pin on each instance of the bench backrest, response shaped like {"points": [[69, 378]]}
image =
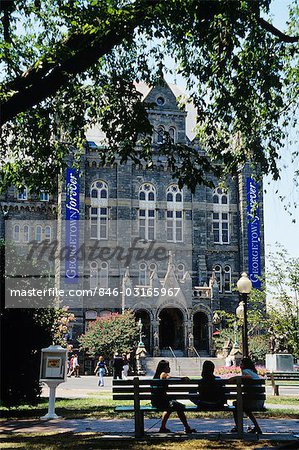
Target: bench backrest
{"points": [[288, 376], [141, 389]]}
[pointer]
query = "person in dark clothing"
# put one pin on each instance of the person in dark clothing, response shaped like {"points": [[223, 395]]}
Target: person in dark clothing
{"points": [[249, 372], [210, 393], [161, 401], [117, 366]]}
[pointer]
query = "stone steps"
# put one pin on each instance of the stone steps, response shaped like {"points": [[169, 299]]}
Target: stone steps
{"points": [[182, 366]]}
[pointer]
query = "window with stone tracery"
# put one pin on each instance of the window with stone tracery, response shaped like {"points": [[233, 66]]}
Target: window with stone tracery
{"points": [[220, 217], [174, 214], [147, 212], [99, 210]]}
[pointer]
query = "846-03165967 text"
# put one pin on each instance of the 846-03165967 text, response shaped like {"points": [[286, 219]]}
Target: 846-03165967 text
{"points": [[140, 291]]}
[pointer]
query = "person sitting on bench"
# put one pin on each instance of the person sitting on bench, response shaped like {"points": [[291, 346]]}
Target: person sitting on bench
{"points": [[249, 372], [161, 401], [210, 395]]}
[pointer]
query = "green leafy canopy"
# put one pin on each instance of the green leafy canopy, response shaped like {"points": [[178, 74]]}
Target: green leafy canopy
{"points": [[108, 334], [68, 65]]}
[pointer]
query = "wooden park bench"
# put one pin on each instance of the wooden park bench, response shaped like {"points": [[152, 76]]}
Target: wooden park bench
{"points": [[282, 379], [139, 391]]}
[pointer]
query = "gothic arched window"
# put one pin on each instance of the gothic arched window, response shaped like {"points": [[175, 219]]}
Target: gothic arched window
{"points": [[227, 279], [147, 213], [174, 213], [220, 217], [218, 275], [26, 233], [99, 210], [172, 134]]}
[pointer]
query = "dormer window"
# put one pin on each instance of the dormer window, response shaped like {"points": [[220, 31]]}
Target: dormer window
{"points": [[23, 193], [44, 196]]}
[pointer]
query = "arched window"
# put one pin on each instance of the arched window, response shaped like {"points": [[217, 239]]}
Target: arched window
{"points": [[99, 189], [16, 233], [227, 279], [172, 134], [48, 234], [38, 233], [174, 214], [147, 213], [99, 210], [220, 217], [160, 134], [218, 275], [93, 275], [26, 233], [143, 280], [23, 193], [220, 196], [103, 281]]}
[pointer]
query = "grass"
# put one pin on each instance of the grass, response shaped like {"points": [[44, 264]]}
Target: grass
{"points": [[103, 408], [87, 441], [282, 400]]}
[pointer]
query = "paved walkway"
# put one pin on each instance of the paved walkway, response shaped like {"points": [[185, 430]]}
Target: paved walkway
{"points": [[272, 429]]}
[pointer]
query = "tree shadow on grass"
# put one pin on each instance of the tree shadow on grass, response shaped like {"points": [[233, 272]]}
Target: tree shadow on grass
{"points": [[72, 410]]}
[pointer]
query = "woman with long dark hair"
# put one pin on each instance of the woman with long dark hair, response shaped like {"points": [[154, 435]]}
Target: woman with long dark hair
{"points": [[161, 401], [210, 393]]}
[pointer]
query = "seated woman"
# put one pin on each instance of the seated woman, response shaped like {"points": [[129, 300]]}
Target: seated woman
{"points": [[249, 371], [210, 395], [161, 401]]}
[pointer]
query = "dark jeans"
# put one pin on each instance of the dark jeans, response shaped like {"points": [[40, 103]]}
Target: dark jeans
{"points": [[117, 374]]}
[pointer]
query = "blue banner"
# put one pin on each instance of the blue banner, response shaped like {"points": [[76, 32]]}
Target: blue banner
{"points": [[254, 234], [72, 216]]}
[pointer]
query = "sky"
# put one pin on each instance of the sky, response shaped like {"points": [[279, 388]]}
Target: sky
{"points": [[280, 225]]}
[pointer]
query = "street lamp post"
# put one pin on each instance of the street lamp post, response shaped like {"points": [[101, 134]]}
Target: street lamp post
{"points": [[244, 286]]}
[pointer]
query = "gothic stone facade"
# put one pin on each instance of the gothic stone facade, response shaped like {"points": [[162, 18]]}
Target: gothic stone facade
{"points": [[202, 234]]}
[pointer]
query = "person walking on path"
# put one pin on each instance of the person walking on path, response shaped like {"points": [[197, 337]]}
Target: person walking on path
{"points": [[161, 401], [125, 367], [76, 366], [249, 372], [101, 370], [71, 366], [117, 366]]}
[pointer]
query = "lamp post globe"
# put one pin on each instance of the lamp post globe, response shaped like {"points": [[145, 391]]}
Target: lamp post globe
{"points": [[244, 287]]}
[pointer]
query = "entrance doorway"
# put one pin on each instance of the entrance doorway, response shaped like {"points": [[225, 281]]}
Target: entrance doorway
{"points": [[201, 332], [171, 330], [146, 327]]}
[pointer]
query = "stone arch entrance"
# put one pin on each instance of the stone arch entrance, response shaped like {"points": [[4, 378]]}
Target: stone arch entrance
{"points": [[146, 327], [171, 329], [201, 332]]}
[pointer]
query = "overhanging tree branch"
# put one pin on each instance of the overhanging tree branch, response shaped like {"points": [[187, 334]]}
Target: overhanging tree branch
{"points": [[273, 30], [80, 51]]}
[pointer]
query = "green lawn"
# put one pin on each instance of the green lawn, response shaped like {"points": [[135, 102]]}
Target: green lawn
{"points": [[103, 408], [88, 441]]}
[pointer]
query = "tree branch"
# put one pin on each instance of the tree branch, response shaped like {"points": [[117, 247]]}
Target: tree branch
{"points": [[273, 30], [80, 51]]}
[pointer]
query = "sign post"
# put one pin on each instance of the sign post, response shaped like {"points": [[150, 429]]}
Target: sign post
{"points": [[53, 372]]}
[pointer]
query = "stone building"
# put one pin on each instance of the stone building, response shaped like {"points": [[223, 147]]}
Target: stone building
{"points": [[189, 249]]}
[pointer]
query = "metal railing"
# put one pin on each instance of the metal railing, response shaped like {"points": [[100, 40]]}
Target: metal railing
{"points": [[197, 357], [177, 365]]}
